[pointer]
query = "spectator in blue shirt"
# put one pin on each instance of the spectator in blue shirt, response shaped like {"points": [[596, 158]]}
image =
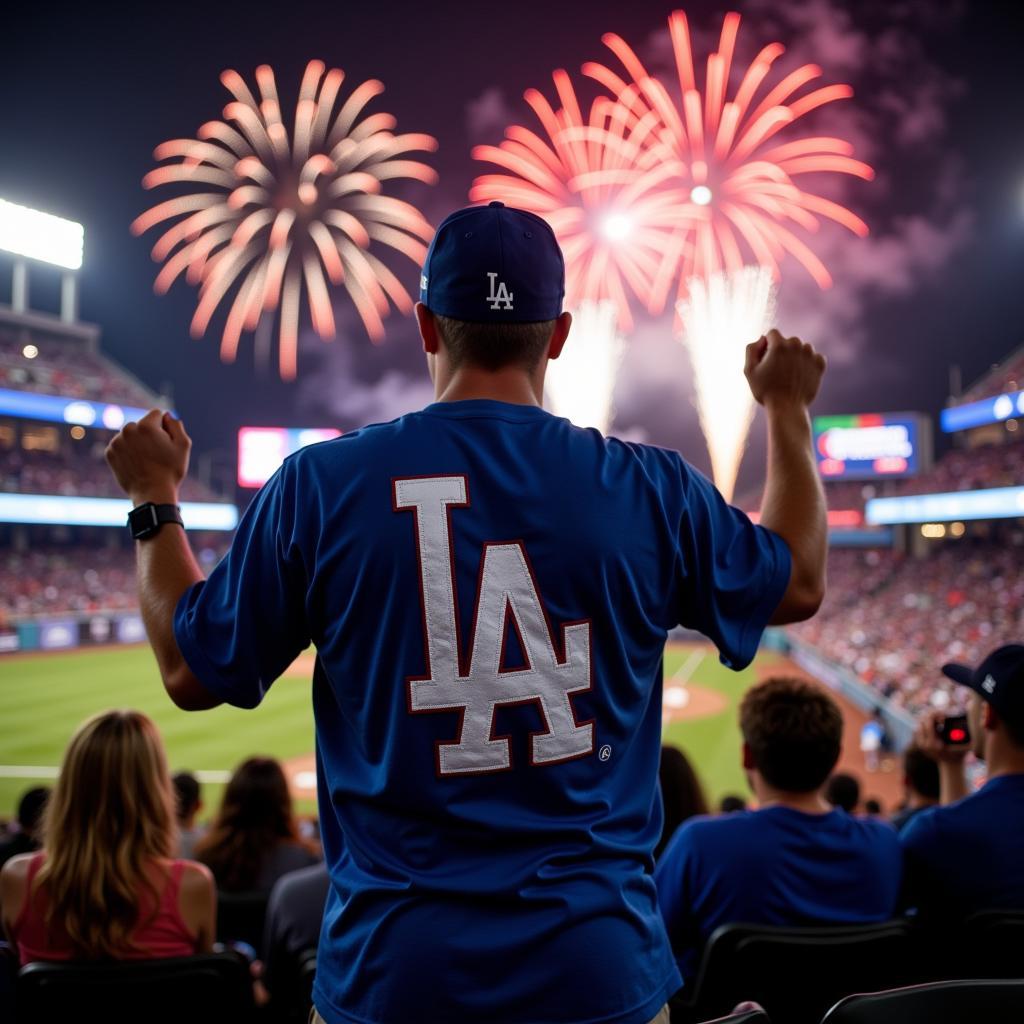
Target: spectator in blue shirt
{"points": [[795, 860], [968, 854]]}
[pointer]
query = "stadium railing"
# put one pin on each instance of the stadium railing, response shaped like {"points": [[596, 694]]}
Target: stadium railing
{"points": [[796, 974], [942, 1002], [899, 722], [211, 988], [65, 631]]}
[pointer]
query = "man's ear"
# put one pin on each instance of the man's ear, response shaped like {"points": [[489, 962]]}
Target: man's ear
{"points": [[428, 329], [561, 332], [989, 717]]}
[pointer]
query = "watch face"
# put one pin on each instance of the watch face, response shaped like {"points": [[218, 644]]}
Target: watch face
{"points": [[143, 521]]}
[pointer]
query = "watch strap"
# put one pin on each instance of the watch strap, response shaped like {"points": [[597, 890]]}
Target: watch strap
{"points": [[146, 519]]}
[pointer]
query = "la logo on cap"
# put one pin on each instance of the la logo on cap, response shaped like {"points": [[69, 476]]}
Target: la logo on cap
{"points": [[988, 684], [502, 298]]}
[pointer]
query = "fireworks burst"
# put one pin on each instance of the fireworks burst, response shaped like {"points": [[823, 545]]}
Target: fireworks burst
{"points": [[280, 217], [739, 179], [741, 204], [600, 182]]}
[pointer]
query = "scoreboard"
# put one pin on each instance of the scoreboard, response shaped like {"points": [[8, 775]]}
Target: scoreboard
{"points": [[872, 446]]}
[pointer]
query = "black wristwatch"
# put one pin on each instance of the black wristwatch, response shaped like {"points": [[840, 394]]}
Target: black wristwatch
{"points": [[146, 519]]}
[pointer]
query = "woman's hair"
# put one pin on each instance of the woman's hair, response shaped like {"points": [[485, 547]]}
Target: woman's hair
{"points": [[110, 814], [681, 793], [255, 815]]}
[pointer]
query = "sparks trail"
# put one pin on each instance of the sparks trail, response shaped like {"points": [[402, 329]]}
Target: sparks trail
{"points": [[278, 217]]}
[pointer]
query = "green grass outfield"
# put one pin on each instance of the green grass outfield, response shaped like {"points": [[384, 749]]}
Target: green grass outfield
{"points": [[44, 697]]}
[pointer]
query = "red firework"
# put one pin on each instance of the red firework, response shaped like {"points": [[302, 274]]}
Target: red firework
{"points": [[739, 179]]}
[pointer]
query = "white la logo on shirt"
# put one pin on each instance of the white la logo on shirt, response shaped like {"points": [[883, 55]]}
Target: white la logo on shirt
{"points": [[502, 295], [507, 596]]}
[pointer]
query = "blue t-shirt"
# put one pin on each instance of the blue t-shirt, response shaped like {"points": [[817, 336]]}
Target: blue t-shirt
{"points": [[776, 866], [968, 856], [489, 590]]}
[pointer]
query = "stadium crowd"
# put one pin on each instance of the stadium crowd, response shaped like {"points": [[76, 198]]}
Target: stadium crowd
{"points": [[54, 579], [73, 469], [68, 370], [892, 619]]}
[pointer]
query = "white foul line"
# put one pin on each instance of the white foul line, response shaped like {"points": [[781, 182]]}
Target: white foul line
{"points": [[688, 667]]}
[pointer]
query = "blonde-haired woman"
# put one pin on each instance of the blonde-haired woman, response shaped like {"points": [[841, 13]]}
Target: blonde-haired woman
{"points": [[106, 884]]}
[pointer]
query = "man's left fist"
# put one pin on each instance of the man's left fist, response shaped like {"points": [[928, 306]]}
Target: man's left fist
{"points": [[150, 458]]}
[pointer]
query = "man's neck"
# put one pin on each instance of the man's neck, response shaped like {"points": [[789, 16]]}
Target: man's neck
{"points": [[1004, 759], [808, 803], [511, 385]]}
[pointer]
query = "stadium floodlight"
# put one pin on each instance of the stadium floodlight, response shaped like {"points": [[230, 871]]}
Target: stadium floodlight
{"points": [[41, 236]]}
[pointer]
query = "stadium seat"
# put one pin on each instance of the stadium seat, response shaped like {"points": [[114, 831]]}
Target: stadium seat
{"points": [[292, 993], [8, 974], [241, 917], [941, 1002], [744, 1017], [796, 974], [995, 941], [211, 988]]}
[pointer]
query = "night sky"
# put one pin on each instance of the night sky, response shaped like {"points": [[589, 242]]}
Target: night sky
{"points": [[88, 94]]}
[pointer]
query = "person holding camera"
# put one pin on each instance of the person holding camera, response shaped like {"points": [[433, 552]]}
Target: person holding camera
{"points": [[968, 853]]}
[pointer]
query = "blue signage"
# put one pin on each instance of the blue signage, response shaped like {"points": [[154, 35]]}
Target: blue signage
{"points": [[977, 414], [76, 411]]}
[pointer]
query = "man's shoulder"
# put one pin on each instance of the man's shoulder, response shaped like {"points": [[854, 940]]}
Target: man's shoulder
{"points": [[881, 835], [968, 815], [351, 445], [719, 832]]}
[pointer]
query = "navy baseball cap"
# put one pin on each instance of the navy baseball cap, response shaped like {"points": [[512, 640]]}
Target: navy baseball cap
{"points": [[999, 679], [494, 264]]}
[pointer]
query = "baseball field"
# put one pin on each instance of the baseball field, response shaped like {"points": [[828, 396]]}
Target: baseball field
{"points": [[44, 697]]}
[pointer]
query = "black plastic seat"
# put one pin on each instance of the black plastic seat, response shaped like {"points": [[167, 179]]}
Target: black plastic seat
{"points": [[940, 1002], [994, 942], [211, 988], [241, 917], [796, 974], [745, 1017]]}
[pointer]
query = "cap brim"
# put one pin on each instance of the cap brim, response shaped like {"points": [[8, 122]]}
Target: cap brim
{"points": [[962, 674]]}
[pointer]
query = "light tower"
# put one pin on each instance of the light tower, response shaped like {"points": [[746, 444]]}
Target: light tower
{"points": [[32, 235]]}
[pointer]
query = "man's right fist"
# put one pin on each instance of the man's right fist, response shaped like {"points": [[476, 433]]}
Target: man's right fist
{"points": [[783, 370]]}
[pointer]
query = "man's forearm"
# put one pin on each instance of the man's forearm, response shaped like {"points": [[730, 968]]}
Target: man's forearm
{"points": [[166, 569], [794, 500]]}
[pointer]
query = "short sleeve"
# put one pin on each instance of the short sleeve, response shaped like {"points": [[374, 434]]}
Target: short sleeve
{"points": [[242, 627], [731, 574]]}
